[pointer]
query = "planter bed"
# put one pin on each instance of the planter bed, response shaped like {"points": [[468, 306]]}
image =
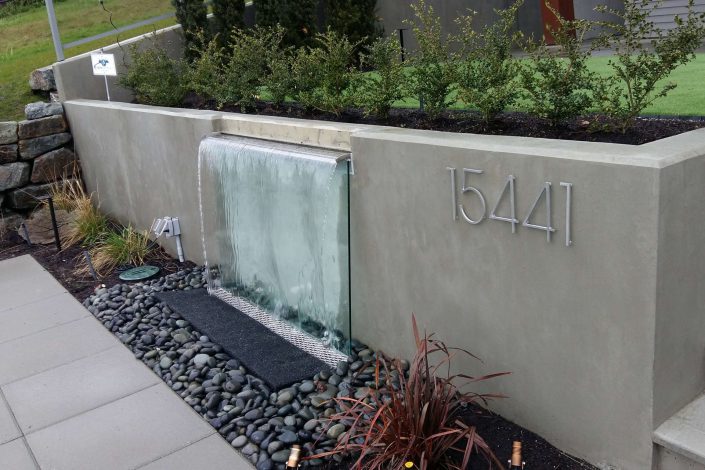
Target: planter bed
{"points": [[589, 128]]}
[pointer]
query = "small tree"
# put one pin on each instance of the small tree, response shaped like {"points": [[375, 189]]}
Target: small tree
{"points": [[192, 15], [639, 67], [558, 82], [227, 15], [487, 74], [378, 90], [433, 73]]}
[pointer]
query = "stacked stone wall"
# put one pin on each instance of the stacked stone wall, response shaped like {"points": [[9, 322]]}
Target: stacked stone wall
{"points": [[35, 154]]}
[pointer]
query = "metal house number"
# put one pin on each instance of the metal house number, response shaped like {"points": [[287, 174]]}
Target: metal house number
{"points": [[475, 216]]}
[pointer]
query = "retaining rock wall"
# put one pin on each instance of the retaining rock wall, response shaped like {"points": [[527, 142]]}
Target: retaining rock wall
{"points": [[34, 154]]}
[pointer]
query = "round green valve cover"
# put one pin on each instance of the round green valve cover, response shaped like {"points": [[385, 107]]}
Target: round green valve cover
{"points": [[139, 273]]}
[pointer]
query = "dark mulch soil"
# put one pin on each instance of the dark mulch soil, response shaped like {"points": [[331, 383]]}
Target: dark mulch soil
{"points": [[589, 128], [62, 265], [497, 431]]}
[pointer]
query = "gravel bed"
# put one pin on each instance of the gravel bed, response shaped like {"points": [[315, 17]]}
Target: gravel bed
{"points": [[261, 423]]}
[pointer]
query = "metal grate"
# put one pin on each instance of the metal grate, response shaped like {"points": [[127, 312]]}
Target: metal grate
{"points": [[298, 338]]}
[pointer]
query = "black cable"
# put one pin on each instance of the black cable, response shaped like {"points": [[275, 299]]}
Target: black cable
{"points": [[117, 36]]}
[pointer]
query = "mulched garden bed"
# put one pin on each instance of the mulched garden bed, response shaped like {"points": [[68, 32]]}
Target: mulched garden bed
{"points": [[589, 128], [173, 344]]}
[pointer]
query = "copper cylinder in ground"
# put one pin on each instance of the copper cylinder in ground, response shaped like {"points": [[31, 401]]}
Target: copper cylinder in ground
{"points": [[294, 457], [516, 455]]}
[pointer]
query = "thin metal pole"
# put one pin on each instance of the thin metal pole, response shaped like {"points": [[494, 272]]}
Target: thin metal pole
{"points": [[58, 47], [57, 237], [401, 44]]}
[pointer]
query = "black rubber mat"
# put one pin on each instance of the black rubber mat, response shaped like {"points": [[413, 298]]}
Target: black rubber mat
{"points": [[264, 353]]}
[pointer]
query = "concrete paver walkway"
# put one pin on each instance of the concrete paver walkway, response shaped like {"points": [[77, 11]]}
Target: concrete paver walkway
{"points": [[73, 397]]}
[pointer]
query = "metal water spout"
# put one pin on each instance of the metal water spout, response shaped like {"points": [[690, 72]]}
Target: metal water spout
{"points": [[170, 227]]}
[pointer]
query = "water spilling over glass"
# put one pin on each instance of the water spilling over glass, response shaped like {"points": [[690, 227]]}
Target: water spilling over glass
{"points": [[275, 226]]}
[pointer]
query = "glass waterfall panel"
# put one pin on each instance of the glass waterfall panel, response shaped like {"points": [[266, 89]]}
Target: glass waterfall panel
{"points": [[275, 225]]}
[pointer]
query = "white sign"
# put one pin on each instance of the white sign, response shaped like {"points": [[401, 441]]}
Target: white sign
{"points": [[103, 64]]}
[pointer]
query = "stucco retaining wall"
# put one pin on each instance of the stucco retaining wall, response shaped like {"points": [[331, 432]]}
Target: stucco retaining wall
{"points": [[604, 338]]}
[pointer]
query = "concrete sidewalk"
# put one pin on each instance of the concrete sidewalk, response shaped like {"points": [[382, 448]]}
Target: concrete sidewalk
{"points": [[73, 397]]}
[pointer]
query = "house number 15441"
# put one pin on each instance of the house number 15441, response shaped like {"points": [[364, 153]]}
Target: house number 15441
{"points": [[475, 216]]}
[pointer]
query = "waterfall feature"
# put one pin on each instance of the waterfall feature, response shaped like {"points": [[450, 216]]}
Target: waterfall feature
{"points": [[276, 230]]}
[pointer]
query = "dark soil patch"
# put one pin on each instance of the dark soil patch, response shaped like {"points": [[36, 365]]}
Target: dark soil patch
{"points": [[589, 128], [62, 265]]}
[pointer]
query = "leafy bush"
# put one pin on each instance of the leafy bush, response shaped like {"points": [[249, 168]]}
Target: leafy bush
{"points": [[205, 74], [356, 19], [227, 15], [126, 247], [416, 418], [560, 88], [154, 77], [638, 66], [278, 79], [378, 90], [297, 17], [433, 72], [487, 74], [192, 15], [323, 75]]}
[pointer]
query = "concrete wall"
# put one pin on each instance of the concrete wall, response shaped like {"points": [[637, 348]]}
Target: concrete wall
{"points": [[604, 338]]}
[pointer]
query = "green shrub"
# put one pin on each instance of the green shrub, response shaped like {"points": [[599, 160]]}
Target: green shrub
{"points": [[205, 74], [356, 19], [297, 17], [154, 77], [378, 90], [323, 75], [433, 72], [638, 66], [192, 15], [227, 15], [560, 87], [486, 77], [278, 79]]}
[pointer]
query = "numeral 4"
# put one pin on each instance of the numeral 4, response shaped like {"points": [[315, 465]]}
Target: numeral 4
{"points": [[548, 227], [512, 219]]}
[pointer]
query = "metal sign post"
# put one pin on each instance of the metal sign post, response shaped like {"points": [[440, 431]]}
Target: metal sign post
{"points": [[58, 47]]}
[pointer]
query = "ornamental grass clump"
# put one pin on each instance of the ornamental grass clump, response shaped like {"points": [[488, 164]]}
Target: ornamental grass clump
{"points": [[639, 67], [126, 247], [87, 225], [486, 74], [557, 81], [377, 91], [414, 417], [433, 66]]}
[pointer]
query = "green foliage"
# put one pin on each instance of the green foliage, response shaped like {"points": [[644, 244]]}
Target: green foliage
{"points": [[278, 79], [377, 91], [205, 73], [639, 67], [14, 7], [192, 15], [560, 87], [323, 75], [433, 74], [154, 77], [126, 247], [356, 19], [486, 76], [297, 17], [227, 15]]}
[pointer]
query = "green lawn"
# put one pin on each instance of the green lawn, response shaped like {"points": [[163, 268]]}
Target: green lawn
{"points": [[25, 40]]}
